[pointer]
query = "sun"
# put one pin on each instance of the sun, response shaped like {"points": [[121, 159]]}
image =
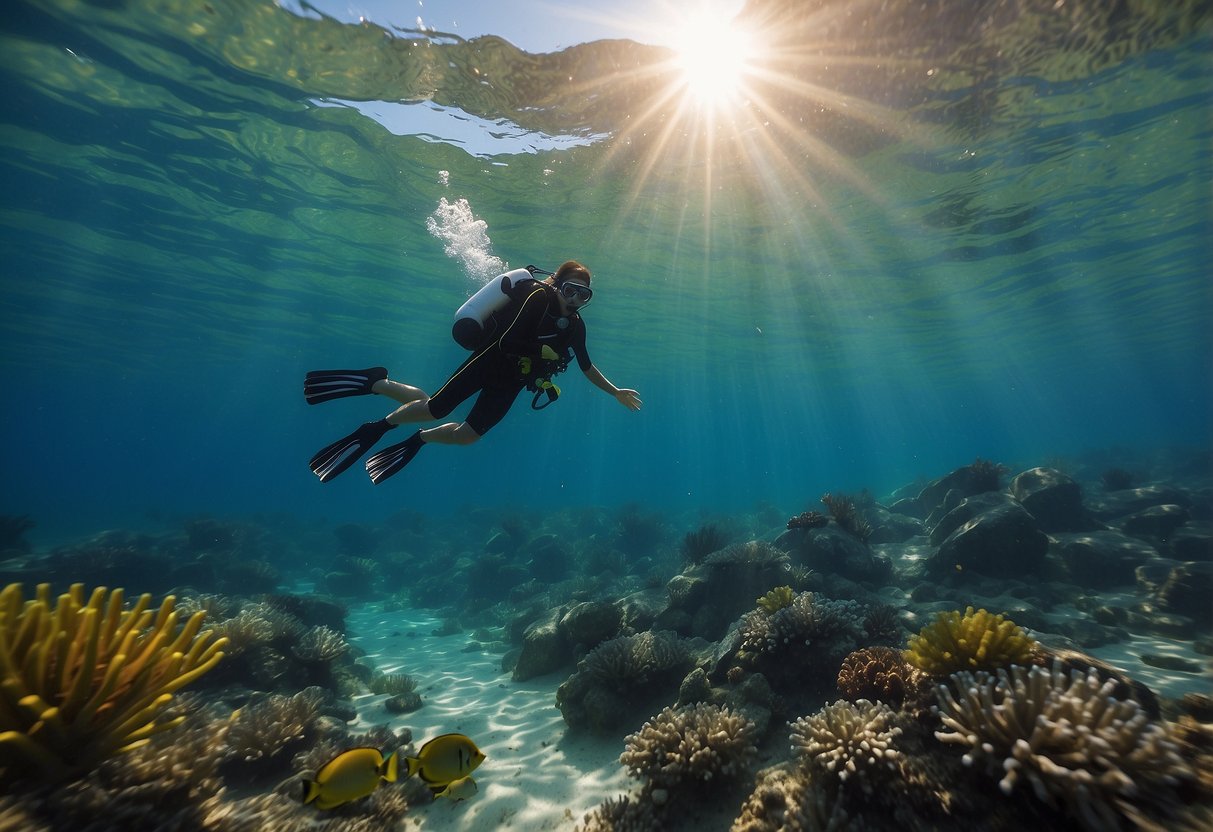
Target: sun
{"points": [[714, 55]]}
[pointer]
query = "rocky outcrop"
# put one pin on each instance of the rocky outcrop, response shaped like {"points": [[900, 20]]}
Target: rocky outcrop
{"points": [[1003, 542], [1101, 559], [1054, 499]]}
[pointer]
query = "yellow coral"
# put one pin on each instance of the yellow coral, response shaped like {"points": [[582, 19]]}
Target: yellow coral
{"points": [[81, 682], [972, 641], [776, 599]]}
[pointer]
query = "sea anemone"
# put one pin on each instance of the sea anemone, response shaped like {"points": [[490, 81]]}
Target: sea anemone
{"points": [[848, 739], [1068, 737], [84, 681], [970, 641], [694, 744]]}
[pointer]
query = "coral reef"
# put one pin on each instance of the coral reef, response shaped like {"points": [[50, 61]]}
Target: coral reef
{"points": [[848, 516], [785, 799], [985, 475], [625, 814], [808, 520], [621, 675], [970, 641], [879, 674], [629, 661], [848, 739], [321, 644], [695, 745], [83, 681], [393, 684], [269, 726], [829, 629], [1065, 735], [882, 625]]}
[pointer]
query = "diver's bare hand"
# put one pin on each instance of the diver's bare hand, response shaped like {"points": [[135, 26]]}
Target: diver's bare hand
{"points": [[629, 399]]}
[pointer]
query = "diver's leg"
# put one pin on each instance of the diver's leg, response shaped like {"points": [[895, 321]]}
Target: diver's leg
{"points": [[414, 411], [401, 392], [452, 433]]}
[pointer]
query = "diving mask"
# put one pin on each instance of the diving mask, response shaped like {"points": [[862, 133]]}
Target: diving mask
{"points": [[576, 293]]}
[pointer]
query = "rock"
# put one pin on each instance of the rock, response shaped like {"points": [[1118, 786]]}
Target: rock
{"points": [[965, 481], [1156, 522], [1150, 576], [1053, 499], [1188, 591], [832, 550], [549, 558], [964, 511], [640, 609], [544, 649], [1170, 663], [888, 527], [1003, 542], [1116, 504], [1101, 559], [1087, 634], [713, 594], [695, 688], [590, 623], [403, 703], [1192, 543], [501, 544]]}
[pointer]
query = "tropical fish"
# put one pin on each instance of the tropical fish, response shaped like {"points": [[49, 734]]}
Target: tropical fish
{"points": [[445, 759], [460, 789], [349, 776]]}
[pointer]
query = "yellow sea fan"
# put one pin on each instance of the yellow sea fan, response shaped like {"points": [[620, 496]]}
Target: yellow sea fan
{"points": [[776, 599], [969, 641], [81, 682]]}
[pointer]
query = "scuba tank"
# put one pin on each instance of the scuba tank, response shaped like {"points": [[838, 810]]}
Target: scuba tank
{"points": [[473, 320]]}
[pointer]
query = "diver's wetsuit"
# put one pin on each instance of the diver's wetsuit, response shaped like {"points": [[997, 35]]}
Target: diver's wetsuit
{"points": [[530, 321]]}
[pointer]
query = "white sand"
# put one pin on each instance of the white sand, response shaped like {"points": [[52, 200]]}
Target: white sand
{"points": [[535, 777]]}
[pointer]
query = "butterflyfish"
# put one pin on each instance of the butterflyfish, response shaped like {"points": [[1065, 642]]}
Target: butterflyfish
{"points": [[445, 759], [460, 789], [350, 775]]}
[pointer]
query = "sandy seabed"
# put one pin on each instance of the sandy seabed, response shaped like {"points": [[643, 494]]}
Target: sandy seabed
{"points": [[535, 776]]}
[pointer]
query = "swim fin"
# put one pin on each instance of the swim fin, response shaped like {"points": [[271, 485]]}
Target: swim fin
{"points": [[391, 460], [332, 459], [326, 385]]}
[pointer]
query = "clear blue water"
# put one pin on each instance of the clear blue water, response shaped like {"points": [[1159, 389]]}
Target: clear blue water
{"points": [[919, 237]]}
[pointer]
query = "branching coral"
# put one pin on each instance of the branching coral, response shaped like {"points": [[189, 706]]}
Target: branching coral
{"points": [[878, 674], [83, 681], [785, 799], [972, 641], [847, 738], [829, 627], [776, 599], [321, 644], [265, 728], [690, 745], [623, 815], [1068, 737]]}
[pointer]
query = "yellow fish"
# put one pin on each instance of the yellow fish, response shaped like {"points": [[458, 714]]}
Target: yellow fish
{"points": [[445, 759], [349, 776], [460, 789]]}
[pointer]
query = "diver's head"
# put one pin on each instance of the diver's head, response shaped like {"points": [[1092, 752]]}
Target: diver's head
{"points": [[572, 281]]}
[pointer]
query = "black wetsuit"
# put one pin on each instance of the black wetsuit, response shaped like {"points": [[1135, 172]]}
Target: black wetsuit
{"points": [[529, 322]]}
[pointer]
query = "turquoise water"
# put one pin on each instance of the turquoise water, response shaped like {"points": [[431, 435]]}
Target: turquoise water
{"points": [[919, 235]]}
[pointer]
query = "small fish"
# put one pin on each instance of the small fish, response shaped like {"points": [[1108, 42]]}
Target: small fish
{"points": [[349, 776], [445, 759], [460, 789]]}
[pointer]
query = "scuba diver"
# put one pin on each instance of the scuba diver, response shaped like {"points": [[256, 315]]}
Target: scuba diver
{"points": [[520, 330]]}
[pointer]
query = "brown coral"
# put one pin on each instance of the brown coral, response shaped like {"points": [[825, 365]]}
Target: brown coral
{"points": [[879, 674]]}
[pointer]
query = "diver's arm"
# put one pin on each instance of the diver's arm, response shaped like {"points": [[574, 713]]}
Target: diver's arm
{"points": [[628, 398]]}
